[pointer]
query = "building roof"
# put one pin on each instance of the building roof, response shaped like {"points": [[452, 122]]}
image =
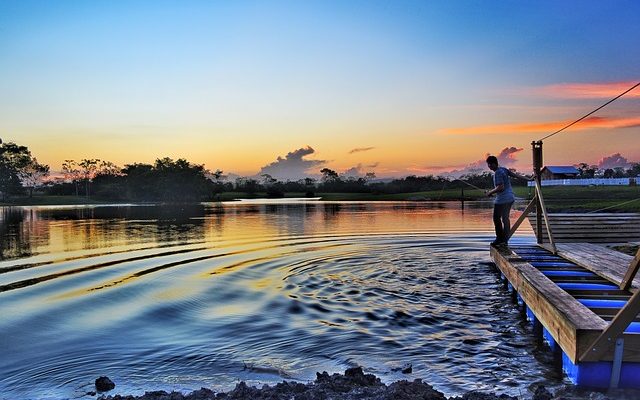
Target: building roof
{"points": [[561, 169]]}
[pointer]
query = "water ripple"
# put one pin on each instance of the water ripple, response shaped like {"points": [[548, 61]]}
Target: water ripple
{"points": [[264, 307]]}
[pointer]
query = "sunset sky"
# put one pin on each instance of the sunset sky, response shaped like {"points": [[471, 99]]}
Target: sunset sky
{"points": [[288, 87]]}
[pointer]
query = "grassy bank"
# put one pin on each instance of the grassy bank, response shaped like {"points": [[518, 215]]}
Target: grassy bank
{"points": [[559, 198]]}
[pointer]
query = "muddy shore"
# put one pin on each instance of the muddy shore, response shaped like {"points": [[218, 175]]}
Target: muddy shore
{"points": [[354, 384]]}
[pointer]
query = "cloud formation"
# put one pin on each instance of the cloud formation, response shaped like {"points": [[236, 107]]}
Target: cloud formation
{"points": [[507, 157], [587, 90], [360, 149], [293, 166], [547, 127], [359, 170], [612, 161]]}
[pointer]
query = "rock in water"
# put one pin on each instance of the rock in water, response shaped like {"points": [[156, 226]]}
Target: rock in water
{"points": [[104, 384], [542, 393]]}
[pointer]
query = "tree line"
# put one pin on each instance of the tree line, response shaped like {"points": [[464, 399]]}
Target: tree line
{"points": [[168, 180], [19, 170]]}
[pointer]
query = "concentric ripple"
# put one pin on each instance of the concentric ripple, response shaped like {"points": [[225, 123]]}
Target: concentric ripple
{"points": [[261, 294]]}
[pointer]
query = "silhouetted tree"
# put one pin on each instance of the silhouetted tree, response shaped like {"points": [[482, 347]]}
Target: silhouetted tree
{"points": [[33, 174], [179, 181], [586, 171], [139, 182], [329, 175], [247, 185], [634, 170], [72, 173], [608, 173], [14, 161], [88, 170], [619, 172]]}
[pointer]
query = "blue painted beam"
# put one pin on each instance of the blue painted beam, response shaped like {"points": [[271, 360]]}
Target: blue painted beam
{"points": [[598, 374], [603, 303], [569, 273], [587, 286]]}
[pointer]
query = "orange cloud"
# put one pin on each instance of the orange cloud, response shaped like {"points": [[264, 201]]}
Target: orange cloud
{"points": [[587, 90], [588, 123]]}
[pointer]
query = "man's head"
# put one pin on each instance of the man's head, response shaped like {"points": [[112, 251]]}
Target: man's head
{"points": [[492, 163]]}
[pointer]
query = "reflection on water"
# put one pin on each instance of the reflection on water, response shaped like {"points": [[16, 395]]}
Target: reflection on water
{"points": [[184, 297]]}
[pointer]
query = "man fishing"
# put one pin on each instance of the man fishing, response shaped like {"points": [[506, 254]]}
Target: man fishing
{"points": [[503, 201]]}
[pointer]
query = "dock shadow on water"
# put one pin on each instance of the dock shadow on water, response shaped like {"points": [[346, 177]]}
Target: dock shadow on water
{"points": [[164, 298]]}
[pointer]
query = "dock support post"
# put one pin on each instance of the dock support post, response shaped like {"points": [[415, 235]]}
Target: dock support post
{"points": [[537, 202], [616, 367], [537, 168], [541, 210]]}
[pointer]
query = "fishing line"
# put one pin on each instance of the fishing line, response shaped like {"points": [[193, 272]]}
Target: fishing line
{"points": [[472, 185]]}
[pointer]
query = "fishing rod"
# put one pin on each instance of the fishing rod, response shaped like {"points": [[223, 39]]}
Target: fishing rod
{"points": [[470, 184]]}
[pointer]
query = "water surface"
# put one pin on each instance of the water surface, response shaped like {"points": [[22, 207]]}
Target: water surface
{"points": [[176, 298]]}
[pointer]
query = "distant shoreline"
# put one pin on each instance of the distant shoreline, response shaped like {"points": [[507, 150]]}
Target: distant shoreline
{"points": [[558, 199]]}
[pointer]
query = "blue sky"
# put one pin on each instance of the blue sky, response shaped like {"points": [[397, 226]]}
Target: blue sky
{"points": [[235, 84]]}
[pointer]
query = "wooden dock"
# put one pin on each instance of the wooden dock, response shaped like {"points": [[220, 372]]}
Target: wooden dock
{"points": [[572, 297]]}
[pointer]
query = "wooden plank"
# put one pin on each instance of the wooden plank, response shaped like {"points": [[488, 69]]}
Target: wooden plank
{"points": [[596, 215], [589, 230], [603, 261], [592, 235], [631, 348], [630, 226], [600, 233], [605, 225], [604, 343], [632, 271], [577, 222], [590, 221], [592, 239], [596, 227], [571, 324]]}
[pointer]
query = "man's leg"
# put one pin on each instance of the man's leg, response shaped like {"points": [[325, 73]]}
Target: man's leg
{"points": [[506, 224], [497, 223]]}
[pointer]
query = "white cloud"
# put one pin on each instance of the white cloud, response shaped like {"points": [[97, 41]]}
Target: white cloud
{"points": [[614, 160], [293, 166], [506, 158]]}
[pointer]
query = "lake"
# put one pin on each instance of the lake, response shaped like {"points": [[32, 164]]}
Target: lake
{"points": [[180, 297]]}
